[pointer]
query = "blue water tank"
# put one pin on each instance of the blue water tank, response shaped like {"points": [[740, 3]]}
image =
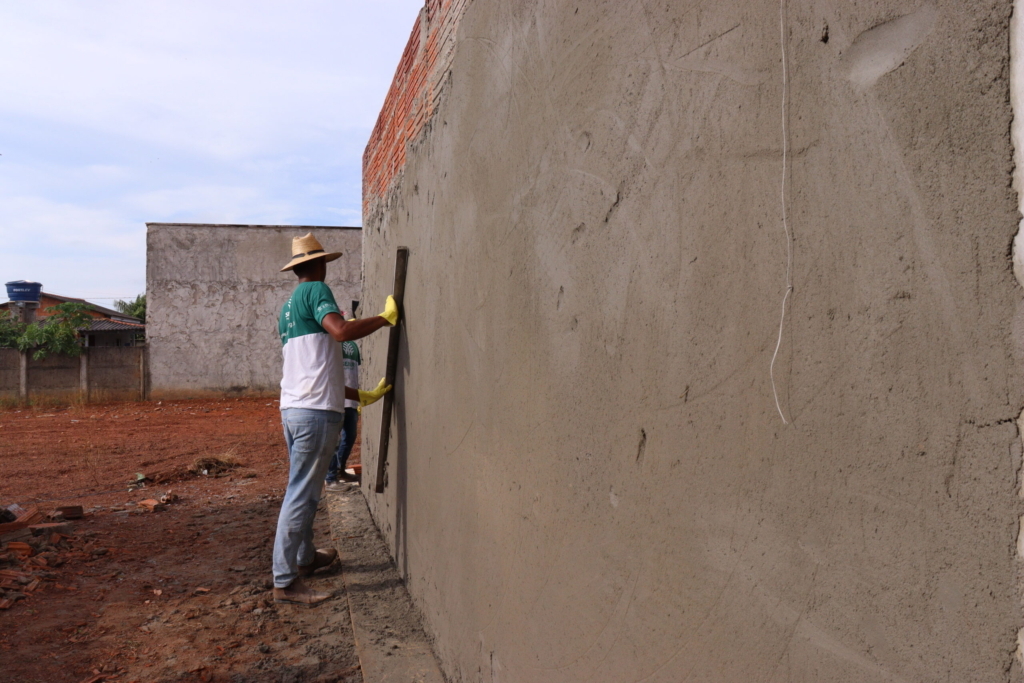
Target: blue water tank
{"points": [[20, 290]]}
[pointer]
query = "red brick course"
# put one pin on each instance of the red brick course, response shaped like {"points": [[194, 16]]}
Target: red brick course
{"points": [[413, 97]]}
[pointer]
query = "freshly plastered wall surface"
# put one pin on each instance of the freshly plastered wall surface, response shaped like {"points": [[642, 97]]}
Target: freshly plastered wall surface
{"points": [[592, 477], [214, 293]]}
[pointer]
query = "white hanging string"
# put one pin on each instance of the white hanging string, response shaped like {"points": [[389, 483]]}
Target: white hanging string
{"points": [[785, 219]]}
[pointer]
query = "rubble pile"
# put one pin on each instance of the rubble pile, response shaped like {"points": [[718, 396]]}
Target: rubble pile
{"points": [[30, 547]]}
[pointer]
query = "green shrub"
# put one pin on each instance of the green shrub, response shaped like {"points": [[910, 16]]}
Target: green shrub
{"points": [[56, 334], [11, 330]]}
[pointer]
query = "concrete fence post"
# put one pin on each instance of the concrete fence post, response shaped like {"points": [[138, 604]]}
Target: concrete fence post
{"points": [[23, 376], [83, 375]]}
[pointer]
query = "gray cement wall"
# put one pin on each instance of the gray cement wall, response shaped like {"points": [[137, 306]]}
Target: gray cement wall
{"points": [[10, 374], [100, 373], [214, 293], [57, 377], [590, 479], [115, 372]]}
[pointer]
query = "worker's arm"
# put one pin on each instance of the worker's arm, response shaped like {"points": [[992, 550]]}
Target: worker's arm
{"points": [[349, 330], [365, 398]]}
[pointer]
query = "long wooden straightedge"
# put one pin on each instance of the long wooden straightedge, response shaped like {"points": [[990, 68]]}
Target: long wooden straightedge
{"points": [[394, 337]]}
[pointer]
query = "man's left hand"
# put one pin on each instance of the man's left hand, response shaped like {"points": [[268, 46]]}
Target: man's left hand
{"points": [[368, 397]]}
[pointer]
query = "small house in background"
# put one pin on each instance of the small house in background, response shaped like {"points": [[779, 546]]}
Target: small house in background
{"points": [[106, 332], [108, 327]]}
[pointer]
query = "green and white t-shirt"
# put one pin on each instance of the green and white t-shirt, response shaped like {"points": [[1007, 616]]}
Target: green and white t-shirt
{"points": [[350, 352], [313, 365]]}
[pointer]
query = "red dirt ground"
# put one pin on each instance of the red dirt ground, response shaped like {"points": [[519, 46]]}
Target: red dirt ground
{"points": [[123, 599]]}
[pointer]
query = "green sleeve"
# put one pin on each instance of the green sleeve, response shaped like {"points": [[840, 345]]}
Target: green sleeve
{"points": [[321, 302]]}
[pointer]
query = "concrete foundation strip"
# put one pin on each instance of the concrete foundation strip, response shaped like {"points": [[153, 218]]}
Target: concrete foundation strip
{"points": [[389, 638]]}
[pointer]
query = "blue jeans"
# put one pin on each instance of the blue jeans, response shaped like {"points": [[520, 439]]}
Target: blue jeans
{"points": [[310, 435], [348, 440]]}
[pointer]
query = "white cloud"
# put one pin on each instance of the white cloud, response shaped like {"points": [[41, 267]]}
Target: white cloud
{"points": [[115, 113], [220, 78]]}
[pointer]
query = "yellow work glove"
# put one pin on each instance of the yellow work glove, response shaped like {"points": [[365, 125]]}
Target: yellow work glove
{"points": [[368, 397], [390, 310]]}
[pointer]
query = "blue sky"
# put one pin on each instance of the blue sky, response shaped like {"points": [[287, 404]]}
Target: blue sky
{"points": [[115, 113]]}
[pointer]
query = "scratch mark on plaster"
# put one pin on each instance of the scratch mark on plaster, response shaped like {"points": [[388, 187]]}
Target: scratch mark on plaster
{"points": [[692, 61], [772, 154], [623, 606], [610, 185], [709, 41], [630, 138], [707, 613], [923, 239], [785, 219], [629, 605], [800, 627], [615, 205], [819, 638], [722, 68], [643, 444], [951, 474], [503, 63], [700, 396], [800, 617]]}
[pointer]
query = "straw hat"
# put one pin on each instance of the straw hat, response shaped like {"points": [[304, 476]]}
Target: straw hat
{"points": [[307, 248]]}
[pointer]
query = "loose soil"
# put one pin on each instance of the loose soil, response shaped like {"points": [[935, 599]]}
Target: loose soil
{"points": [[180, 594]]}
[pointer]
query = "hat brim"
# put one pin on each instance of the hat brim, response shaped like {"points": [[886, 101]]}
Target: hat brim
{"points": [[328, 257]]}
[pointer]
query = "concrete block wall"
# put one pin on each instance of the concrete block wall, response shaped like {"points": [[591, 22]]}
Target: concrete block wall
{"points": [[115, 373], [55, 377], [214, 293], [10, 374], [597, 471], [100, 373]]}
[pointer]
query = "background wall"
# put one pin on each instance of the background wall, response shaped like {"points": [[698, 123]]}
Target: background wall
{"points": [[10, 374], [590, 479], [58, 377], [100, 373], [114, 373], [214, 293]]}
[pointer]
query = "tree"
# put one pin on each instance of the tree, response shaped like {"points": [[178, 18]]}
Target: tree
{"points": [[56, 334], [135, 308], [11, 329]]}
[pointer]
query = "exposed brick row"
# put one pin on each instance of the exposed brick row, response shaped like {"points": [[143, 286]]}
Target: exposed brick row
{"points": [[414, 95]]}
